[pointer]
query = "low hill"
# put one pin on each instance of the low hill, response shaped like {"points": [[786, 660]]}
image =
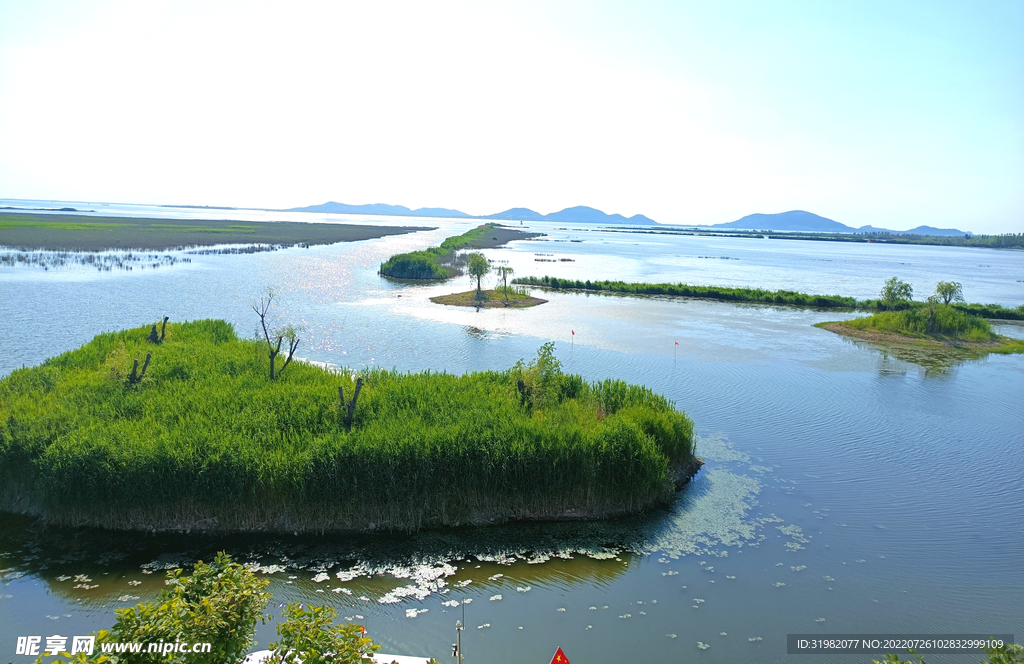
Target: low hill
{"points": [[517, 214], [378, 208], [803, 221], [579, 214], [794, 220]]}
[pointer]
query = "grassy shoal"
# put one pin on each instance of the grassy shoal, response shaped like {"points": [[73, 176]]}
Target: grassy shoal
{"points": [[492, 299], [930, 327], [207, 441], [440, 263], [754, 295], [67, 232]]}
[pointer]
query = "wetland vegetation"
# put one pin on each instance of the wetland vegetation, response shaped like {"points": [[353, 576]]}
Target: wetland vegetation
{"points": [[69, 232], [204, 439], [444, 262], [759, 295]]}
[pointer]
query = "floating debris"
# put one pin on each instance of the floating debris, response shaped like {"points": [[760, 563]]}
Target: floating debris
{"points": [[730, 577], [702, 646], [339, 589], [723, 634], [495, 577], [496, 598], [127, 598], [670, 573], [626, 615], [525, 589], [483, 626], [321, 577], [756, 638], [593, 608], [412, 613], [453, 603], [134, 582], [819, 620], [779, 584], [671, 636], [63, 578], [561, 609], [798, 568]]}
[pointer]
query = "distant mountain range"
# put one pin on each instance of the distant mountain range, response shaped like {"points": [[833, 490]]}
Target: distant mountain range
{"points": [[794, 220], [579, 214], [379, 208], [799, 220]]}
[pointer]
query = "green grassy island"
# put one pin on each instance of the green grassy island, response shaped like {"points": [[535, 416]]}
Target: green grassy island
{"points": [[204, 439], [440, 263], [493, 299], [929, 327]]}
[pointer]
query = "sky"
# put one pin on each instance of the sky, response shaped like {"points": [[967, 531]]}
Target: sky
{"points": [[870, 113]]}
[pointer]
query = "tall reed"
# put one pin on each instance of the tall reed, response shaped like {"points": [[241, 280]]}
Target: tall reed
{"points": [[205, 439]]}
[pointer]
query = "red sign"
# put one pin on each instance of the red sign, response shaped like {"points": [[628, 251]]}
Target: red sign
{"points": [[559, 657]]}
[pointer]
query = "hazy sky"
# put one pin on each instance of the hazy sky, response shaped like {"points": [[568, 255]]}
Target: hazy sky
{"points": [[893, 114]]}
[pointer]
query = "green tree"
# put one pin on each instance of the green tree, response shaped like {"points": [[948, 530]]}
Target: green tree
{"points": [[310, 636], [478, 267], [505, 272], [219, 604], [895, 292], [542, 377], [949, 291]]}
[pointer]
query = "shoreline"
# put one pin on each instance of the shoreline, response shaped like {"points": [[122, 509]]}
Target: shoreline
{"points": [[79, 233]]}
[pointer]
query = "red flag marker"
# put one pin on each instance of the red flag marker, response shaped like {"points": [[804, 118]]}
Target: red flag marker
{"points": [[677, 343], [559, 658], [574, 333]]}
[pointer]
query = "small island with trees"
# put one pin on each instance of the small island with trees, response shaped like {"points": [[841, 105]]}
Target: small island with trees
{"points": [[449, 260], [936, 324]]}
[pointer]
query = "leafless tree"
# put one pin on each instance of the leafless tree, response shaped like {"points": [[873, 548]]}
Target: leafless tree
{"points": [[275, 339]]}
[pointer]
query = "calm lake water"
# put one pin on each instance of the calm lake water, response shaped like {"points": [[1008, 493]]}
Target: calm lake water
{"points": [[845, 490]]}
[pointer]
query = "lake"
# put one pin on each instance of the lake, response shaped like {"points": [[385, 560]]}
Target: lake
{"points": [[845, 490]]}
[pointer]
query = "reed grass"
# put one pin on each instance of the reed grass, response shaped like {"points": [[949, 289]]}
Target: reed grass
{"points": [[758, 295], [938, 321], [434, 262], [686, 290], [206, 440]]}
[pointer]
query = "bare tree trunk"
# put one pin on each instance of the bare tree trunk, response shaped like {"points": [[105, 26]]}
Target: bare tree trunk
{"points": [[163, 328], [352, 404], [135, 376]]}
